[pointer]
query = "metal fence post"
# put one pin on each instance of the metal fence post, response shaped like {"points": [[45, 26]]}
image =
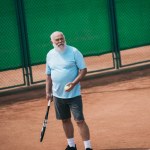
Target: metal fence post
{"points": [[26, 42], [113, 21], [22, 37]]}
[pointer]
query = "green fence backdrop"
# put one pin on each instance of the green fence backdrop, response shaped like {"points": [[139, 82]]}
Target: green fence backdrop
{"points": [[95, 27], [10, 53], [133, 22]]}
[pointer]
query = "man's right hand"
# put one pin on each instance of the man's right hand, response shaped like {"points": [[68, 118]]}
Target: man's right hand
{"points": [[49, 97]]}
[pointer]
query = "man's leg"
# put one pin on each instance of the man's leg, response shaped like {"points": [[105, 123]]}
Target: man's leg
{"points": [[85, 134], [63, 113], [69, 132], [77, 111], [68, 128], [83, 130]]}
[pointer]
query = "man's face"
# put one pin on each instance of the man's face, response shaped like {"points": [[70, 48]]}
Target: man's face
{"points": [[58, 41]]}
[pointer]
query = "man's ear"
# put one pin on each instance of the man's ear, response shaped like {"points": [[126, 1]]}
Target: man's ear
{"points": [[51, 41]]}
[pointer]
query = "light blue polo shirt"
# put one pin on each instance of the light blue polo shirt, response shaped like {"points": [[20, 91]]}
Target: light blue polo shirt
{"points": [[63, 67]]}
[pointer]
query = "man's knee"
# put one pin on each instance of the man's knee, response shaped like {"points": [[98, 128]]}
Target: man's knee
{"points": [[80, 122], [66, 120]]}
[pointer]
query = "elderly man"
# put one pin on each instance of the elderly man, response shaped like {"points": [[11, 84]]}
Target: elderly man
{"points": [[65, 66]]}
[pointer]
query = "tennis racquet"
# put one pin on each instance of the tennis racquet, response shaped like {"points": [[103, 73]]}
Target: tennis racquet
{"points": [[45, 120]]}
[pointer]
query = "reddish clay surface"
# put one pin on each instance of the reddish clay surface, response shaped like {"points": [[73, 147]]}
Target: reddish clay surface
{"points": [[116, 108]]}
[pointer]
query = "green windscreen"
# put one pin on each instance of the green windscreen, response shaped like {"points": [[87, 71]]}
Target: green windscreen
{"points": [[133, 21], [85, 24], [9, 40]]}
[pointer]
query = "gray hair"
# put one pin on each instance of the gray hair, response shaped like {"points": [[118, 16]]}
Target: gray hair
{"points": [[53, 34]]}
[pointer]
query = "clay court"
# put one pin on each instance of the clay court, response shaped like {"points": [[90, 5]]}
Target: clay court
{"points": [[116, 109], [114, 38]]}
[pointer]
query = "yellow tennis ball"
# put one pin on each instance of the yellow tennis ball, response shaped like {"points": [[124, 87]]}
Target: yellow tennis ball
{"points": [[66, 87]]}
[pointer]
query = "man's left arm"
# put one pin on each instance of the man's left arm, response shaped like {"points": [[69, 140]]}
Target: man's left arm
{"points": [[80, 76], [82, 69]]}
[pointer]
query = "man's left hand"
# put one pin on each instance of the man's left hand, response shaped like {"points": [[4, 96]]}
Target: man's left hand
{"points": [[70, 85]]}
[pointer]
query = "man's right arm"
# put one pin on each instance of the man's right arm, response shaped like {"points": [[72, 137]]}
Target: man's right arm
{"points": [[48, 87]]}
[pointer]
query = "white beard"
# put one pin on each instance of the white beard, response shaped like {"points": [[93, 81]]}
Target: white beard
{"points": [[59, 48]]}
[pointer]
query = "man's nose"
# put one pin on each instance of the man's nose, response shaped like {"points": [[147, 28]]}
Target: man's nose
{"points": [[60, 40]]}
